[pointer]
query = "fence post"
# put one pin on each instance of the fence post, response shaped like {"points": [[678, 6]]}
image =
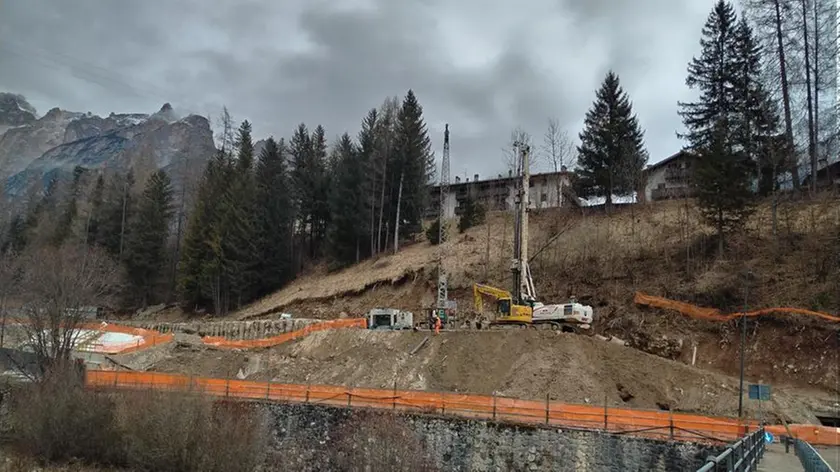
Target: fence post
{"points": [[227, 387], [395, 394], [547, 396], [307, 392], [349, 395], [606, 421], [442, 404], [116, 374], [268, 390], [671, 421], [494, 406]]}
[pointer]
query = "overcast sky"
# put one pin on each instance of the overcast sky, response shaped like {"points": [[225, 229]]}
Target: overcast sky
{"points": [[483, 67]]}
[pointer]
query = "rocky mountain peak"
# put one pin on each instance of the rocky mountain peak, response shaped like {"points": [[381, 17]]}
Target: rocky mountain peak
{"points": [[61, 140], [15, 110]]}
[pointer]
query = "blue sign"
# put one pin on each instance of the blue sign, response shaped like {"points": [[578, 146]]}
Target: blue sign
{"points": [[768, 438], [759, 392]]}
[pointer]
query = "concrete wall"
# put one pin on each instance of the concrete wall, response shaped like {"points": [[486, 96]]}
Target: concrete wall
{"points": [[226, 329], [305, 439]]}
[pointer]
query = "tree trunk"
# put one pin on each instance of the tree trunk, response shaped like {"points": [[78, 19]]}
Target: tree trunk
{"points": [[812, 149], [122, 223], [794, 167], [816, 92], [372, 227], [397, 219], [720, 233], [382, 204]]}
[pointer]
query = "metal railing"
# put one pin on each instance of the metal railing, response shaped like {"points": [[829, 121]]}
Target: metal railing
{"points": [[743, 455], [809, 457]]}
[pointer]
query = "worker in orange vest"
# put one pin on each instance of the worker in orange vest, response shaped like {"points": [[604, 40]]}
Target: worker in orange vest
{"points": [[437, 324]]}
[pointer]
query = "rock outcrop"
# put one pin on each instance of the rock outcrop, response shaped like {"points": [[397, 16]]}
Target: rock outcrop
{"points": [[34, 148]]}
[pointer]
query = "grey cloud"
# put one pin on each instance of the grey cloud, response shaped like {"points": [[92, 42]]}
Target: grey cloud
{"points": [[280, 63]]}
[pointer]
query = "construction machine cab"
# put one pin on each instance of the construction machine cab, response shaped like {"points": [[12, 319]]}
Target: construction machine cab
{"points": [[504, 306]]}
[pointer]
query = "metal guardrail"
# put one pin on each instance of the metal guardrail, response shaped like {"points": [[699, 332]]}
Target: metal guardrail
{"points": [[809, 457], [743, 455]]}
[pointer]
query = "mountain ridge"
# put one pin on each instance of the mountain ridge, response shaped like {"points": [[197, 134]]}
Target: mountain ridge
{"points": [[34, 148]]}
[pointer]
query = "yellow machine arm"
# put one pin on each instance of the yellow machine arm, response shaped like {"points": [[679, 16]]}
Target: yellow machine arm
{"points": [[506, 311], [481, 289]]}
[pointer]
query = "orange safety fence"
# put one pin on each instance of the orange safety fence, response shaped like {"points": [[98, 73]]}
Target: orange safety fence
{"points": [[151, 338], [222, 342], [645, 423], [715, 314], [148, 338]]}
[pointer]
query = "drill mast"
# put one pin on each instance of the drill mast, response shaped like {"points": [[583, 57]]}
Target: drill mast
{"points": [[443, 227]]}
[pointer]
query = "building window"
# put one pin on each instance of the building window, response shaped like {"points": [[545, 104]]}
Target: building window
{"points": [[544, 198]]}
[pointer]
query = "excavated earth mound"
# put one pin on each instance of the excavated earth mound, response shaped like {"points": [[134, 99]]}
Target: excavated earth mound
{"points": [[524, 364]]}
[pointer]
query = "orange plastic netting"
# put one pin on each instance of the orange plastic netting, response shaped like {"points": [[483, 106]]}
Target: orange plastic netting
{"points": [[714, 314], [285, 337], [646, 423]]}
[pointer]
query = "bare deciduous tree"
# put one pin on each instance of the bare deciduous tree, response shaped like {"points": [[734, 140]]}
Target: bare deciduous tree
{"points": [[55, 285], [511, 153], [558, 146], [559, 150], [9, 271]]}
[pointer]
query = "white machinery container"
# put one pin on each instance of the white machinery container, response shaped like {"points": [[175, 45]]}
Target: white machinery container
{"points": [[390, 318]]}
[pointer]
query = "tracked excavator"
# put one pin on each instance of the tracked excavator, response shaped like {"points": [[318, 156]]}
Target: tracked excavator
{"points": [[520, 307]]}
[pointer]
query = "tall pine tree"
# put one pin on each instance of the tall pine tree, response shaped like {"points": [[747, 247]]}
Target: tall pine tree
{"points": [[274, 219], [414, 167], [203, 270], [348, 202], [731, 117], [368, 160], [238, 226], [322, 182], [611, 155], [145, 248]]}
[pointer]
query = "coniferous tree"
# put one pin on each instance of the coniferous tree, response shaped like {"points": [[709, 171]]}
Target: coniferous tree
{"points": [[732, 115], [15, 240], [145, 249], [367, 156], [274, 219], [433, 232], [238, 225], [322, 182], [303, 184], [92, 226], [348, 202], [612, 144], [116, 210], [67, 216], [203, 270], [472, 214], [414, 167]]}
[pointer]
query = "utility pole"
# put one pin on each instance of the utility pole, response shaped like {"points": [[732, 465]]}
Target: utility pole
{"points": [[743, 348]]}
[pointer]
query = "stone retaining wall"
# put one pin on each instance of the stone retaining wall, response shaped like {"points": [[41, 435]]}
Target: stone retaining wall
{"points": [[226, 329], [306, 438]]}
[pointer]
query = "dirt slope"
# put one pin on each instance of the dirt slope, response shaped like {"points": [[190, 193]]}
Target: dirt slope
{"points": [[662, 249], [526, 364]]}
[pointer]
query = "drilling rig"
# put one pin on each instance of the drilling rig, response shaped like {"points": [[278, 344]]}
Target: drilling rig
{"points": [[520, 307], [443, 306]]}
